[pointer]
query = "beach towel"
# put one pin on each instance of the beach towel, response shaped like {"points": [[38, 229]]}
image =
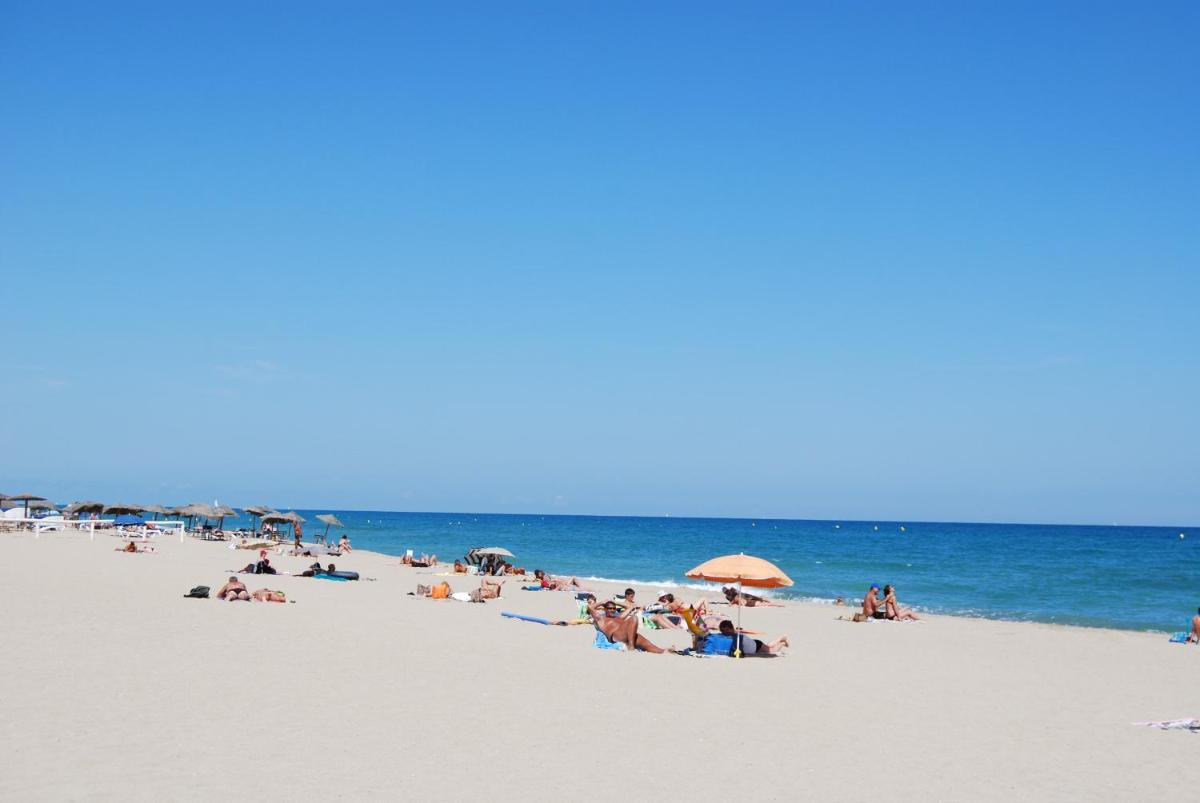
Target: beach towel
{"points": [[602, 643], [532, 588], [1179, 638]]}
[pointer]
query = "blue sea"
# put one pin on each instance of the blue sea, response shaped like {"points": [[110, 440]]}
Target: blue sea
{"points": [[1136, 578]]}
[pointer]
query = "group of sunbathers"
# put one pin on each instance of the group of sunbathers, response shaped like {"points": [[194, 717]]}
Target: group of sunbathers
{"points": [[619, 620]]}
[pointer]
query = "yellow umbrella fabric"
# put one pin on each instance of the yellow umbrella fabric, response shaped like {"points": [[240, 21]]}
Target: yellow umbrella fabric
{"points": [[745, 569]]}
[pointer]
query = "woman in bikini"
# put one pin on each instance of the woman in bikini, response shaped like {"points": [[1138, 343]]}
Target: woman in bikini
{"points": [[894, 611]]}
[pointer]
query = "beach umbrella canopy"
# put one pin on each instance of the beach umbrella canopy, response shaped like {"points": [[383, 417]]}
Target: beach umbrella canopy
{"points": [[293, 518], [155, 509], [745, 570], [330, 520], [84, 507], [123, 509], [494, 550], [26, 498], [41, 504], [128, 518]]}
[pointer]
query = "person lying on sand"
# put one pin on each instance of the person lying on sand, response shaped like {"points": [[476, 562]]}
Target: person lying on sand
{"points": [[892, 610], [267, 595], [753, 646], [558, 583], [459, 568], [133, 548], [617, 628], [489, 589], [234, 590], [748, 600]]}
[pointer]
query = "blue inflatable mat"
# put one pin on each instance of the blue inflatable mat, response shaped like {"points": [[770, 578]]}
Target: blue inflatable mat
{"points": [[334, 578]]}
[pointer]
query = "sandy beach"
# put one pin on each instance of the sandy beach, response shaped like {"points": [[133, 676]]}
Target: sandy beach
{"points": [[116, 686]]}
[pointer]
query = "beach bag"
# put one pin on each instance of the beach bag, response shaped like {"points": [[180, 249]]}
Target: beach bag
{"points": [[440, 591], [199, 592]]}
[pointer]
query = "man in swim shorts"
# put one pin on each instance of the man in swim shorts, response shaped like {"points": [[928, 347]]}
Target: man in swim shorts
{"points": [[617, 628], [872, 605]]}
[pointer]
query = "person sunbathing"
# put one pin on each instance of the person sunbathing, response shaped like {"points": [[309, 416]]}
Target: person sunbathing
{"points": [[459, 568], [132, 548], [489, 589], [620, 629], [734, 597], [558, 583], [894, 611], [267, 595], [344, 544], [753, 646], [234, 590]]}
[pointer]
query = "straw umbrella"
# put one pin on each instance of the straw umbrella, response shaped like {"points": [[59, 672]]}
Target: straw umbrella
{"points": [[26, 498], [83, 507], [155, 509], [330, 520], [743, 570], [222, 512], [121, 510], [257, 511]]}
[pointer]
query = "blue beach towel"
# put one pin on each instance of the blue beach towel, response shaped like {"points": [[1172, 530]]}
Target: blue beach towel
{"points": [[602, 643], [532, 588], [1179, 638], [331, 577]]}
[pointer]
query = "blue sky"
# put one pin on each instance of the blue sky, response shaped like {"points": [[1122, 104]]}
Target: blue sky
{"points": [[835, 260]]}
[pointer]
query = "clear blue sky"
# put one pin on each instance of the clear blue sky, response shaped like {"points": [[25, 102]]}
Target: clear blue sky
{"points": [[828, 260]]}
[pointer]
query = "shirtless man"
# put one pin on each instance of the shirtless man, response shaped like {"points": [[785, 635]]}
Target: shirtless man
{"points": [[872, 605], [621, 629], [234, 590], [1195, 634]]}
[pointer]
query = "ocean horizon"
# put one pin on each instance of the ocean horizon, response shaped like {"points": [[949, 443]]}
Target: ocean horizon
{"points": [[1122, 577]]}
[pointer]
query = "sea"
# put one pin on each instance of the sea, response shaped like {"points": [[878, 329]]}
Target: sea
{"points": [[1134, 578]]}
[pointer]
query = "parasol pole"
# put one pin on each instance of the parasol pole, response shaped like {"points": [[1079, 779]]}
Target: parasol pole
{"points": [[737, 636]]}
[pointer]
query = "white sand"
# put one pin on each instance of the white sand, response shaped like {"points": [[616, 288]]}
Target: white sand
{"points": [[115, 686]]}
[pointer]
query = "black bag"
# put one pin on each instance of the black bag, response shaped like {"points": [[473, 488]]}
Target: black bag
{"points": [[199, 592]]}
